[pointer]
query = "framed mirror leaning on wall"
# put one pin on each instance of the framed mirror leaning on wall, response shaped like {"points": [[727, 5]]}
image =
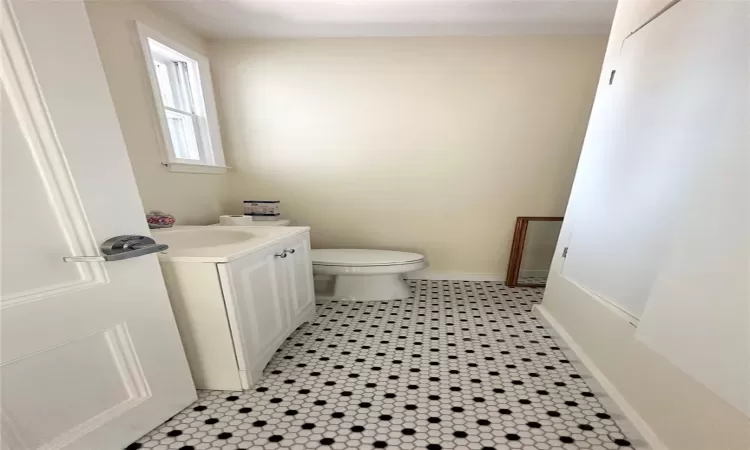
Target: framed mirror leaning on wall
{"points": [[531, 254]]}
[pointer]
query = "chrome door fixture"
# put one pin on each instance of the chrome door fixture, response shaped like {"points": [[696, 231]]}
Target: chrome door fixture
{"points": [[291, 250], [281, 255], [122, 247]]}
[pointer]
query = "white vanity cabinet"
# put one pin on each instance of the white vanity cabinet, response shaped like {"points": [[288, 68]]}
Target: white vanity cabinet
{"points": [[268, 295], [234, 315]]}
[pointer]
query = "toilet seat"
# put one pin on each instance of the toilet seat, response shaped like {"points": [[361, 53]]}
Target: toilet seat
{"points": [[363, 258]]}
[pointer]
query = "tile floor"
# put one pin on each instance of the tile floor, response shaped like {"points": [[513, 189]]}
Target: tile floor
{"points": [[460, 365]]}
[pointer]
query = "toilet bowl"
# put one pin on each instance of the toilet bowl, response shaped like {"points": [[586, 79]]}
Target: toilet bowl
{"points": [[366, 275]]}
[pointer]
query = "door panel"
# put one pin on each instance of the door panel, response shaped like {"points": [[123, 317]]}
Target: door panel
{"points": [[89, 352], [34, 243], [65, 375]]}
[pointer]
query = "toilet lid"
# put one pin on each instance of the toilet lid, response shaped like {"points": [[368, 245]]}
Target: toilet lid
{"points": [[361, 257]]}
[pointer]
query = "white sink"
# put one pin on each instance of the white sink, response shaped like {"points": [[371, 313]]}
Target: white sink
{"points": [[180, 239], [217, 244]]}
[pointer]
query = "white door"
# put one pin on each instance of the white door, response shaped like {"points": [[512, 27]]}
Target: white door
{"points": [[655, 137], [90, 354], [299, 277]]}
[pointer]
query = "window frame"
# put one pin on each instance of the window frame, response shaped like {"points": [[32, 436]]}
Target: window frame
{"points": [[205, 120]]}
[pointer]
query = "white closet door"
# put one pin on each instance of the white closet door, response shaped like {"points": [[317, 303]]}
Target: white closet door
{"points": [[698, 308], [633, 186], [661, 219], [623, 207]]}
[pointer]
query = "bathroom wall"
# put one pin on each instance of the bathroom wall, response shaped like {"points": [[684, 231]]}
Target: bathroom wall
{"points": [[191, 198], [680, 373], [432, 145]]}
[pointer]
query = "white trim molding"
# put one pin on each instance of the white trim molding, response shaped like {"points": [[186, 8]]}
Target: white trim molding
{"points": [[533, 273], [195, 168], [427, 274], [630, 318], [587, 365]]}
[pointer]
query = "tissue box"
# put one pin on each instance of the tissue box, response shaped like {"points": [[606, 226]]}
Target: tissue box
{"points": [[262, 209]]}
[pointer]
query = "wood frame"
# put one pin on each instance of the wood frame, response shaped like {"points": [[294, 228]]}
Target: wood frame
{"points": [[516, 250]]}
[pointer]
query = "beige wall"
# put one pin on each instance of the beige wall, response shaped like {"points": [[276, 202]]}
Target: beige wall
{"points": [[191, 198], [426, 144], [647, 372]]}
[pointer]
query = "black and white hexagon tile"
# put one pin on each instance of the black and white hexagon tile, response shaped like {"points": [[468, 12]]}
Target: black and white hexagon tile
{"points": [[459, 365]]}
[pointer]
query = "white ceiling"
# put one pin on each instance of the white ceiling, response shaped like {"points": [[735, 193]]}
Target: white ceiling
{"points": [[227, 19]]}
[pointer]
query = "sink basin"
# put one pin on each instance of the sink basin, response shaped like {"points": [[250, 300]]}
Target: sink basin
{"points": [[217, 244], [180, 239]]}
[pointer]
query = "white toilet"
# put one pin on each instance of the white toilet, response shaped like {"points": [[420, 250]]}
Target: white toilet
{"points": [[366, 275]]}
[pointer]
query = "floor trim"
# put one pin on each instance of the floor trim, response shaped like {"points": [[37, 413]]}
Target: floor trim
{"points": [[428, 274], [533, 273], [587, 365], [612, 306]]}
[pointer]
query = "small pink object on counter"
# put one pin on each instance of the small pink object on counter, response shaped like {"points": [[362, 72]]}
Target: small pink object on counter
{"points": [[158, 219]]}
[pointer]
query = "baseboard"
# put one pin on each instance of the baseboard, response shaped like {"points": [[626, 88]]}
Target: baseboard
{"points": [[428, 274], [531, 273], [612, 306], [620, 403]]}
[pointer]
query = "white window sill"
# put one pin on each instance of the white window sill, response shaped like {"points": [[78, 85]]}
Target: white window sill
{"points": [[195, 168]]}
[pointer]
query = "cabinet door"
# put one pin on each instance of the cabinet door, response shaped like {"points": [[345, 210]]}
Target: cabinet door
{"points": [[256, 309], [299, 279]]}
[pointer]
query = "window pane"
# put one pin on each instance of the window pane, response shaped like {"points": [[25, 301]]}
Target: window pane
{"points": [[178, 82], [181, 86], [182, 132], [165, 87]]}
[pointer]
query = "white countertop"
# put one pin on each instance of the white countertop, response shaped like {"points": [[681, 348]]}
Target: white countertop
{"points": [[210, 244], [259, 223]]}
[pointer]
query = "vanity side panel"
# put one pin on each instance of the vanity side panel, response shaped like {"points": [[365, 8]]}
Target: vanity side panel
{"points": [[198, 304]]}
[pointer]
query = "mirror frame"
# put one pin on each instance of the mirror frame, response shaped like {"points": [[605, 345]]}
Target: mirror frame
{"points": [[516, 250]]}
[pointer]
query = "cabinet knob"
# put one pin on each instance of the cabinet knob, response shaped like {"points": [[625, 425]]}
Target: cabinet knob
{"points": [[281, 255], [291, 250]]}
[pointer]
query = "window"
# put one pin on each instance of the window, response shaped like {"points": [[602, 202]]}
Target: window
{"points": [[181, 82]]}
